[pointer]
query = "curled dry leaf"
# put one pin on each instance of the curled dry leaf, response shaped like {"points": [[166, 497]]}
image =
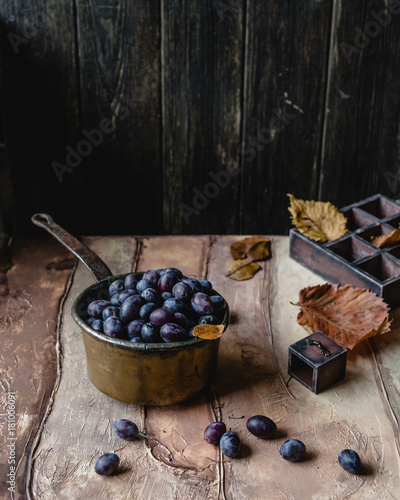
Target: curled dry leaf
{"points": [[384, 240], [318, 220], [208, 332], [241, 270], [254, 248], [346, 314]]}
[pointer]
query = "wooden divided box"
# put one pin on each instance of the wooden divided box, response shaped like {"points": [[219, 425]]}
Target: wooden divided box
{"points": [[352, 259]]}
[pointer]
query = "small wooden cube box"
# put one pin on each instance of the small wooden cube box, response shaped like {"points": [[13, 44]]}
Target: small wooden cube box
{"points": [[317, 361], [352, 259]]}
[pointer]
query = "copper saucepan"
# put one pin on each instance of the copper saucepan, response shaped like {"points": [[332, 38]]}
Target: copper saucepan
{"points": [[146, 374]]}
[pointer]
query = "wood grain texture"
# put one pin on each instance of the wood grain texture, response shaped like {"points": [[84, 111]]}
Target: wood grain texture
{"points": [[178, 429], [361, 412], [67, 421], [284, 92], [360, 154], [247, 382], [352, 414], [83, 417], [120, 80], [34, 280], [217, 110], [39, 110], [202, 80]]}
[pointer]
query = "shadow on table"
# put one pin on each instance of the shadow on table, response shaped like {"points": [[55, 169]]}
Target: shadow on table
{"points": [[242, 373]]}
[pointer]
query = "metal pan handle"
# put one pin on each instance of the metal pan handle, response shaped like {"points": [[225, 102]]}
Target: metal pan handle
{"points": [[91, 260]]}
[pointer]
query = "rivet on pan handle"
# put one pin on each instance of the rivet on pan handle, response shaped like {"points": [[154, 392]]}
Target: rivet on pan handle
{"points": [[91, 260]]}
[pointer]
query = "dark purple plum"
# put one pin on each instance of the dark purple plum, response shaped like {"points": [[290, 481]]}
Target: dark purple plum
{"points": [[261, 426], [116, 287], [130, 308], [183, 321], [151, 295], [350, 461], [121, 297], [110, 311], [214, 432], [202, 304], [182, 291], [209, 319], [126, 429], [114, 300], [167, 282], [175, 305], [161, 316], [151, 275], [293, 450], [166, 295], [136, 340], [134, 328], [173, 270], [170, 332], [219, 303], [95, 308], [193, 283], [107, 464], [230, 444], [206, 286], [97, 325], [143, 284], [131, 280], [146, 310], [113, 327], [90, 321], [150, 333]]}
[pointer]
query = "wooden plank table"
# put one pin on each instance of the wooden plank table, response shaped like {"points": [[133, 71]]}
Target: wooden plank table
{"points": [[63, 423]]}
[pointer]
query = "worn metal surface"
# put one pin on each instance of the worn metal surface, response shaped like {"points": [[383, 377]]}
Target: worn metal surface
{"points": [[92, 261], [154, 374]]}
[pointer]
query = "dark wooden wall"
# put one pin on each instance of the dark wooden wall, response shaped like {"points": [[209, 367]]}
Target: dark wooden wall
{"points": [[270, 96]]}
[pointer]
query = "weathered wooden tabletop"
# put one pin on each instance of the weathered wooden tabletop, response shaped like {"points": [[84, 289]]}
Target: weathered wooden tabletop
{"points": [[63, 423]]}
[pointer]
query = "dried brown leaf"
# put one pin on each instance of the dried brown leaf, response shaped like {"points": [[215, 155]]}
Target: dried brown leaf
{"points": [[260, 250], [254, 248], [384, 240], [346, 314], [208, 332], [241, 270], [318, 220], [239, 250]]}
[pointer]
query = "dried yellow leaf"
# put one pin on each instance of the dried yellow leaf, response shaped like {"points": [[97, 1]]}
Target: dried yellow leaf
{"points": [[242, 269], [208, 332], [239, 249], [318, 220], [385, 240], [254, 248], [261, 250]]}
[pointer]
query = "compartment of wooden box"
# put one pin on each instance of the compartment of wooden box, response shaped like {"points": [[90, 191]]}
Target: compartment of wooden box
{"points": [[352, 259]]}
